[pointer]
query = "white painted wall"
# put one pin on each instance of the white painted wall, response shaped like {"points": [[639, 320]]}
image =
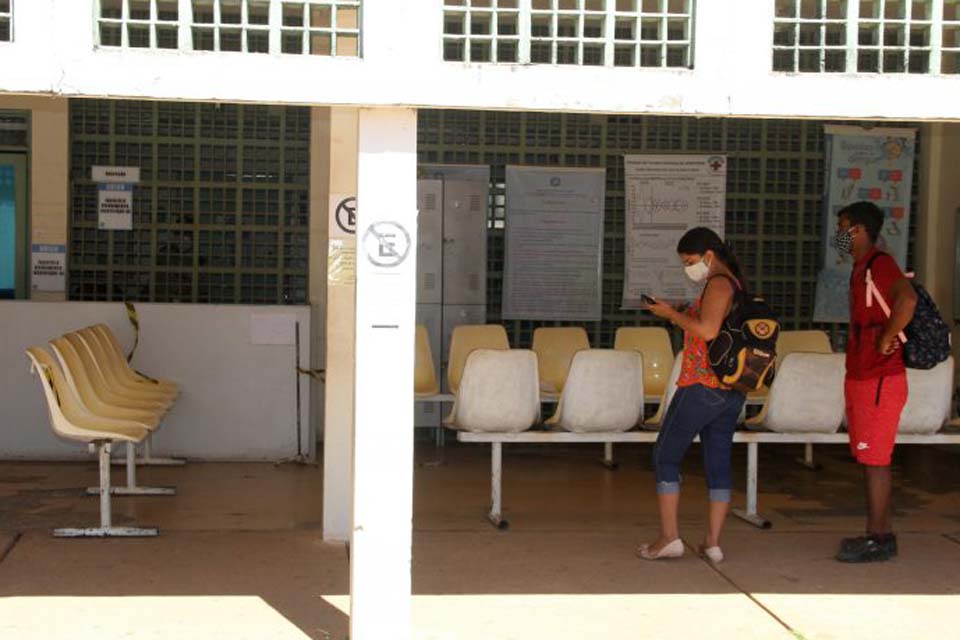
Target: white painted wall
{"points": [[403, 66], [237, 402]]}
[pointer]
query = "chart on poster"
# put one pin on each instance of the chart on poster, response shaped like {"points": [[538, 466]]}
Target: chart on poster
{"points": [[554, 240], [665, 196]]}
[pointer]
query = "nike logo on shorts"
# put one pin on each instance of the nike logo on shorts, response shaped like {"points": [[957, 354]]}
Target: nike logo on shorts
{"points": [[861, 446]]}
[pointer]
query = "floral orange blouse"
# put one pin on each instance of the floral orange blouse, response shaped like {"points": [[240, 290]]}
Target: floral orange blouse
{"points": [[695, 368]]}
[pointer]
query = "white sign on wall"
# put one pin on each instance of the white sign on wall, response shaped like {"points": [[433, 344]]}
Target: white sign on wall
{"points": [[48, 267], [115, 206], [115, 174], [554, 244], [666, 195]]}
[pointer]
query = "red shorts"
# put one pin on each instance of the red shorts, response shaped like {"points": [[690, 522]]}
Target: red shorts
{"points": [[873, 415]]}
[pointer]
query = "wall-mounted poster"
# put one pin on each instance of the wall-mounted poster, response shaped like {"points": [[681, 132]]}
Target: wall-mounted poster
{"points": [[554, 244], [875, 165], [665, 196]]}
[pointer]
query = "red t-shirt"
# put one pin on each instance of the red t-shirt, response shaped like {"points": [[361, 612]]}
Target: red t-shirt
{"points": [[866, 324]]}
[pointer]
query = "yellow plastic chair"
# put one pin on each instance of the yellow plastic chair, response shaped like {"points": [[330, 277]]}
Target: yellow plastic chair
{"points": [[467, 338], [110, 341], [654, 344], [102, 387], [113, 371], [655, 421], [81, 382], [555, 348], [425, 382], [70, 420]]}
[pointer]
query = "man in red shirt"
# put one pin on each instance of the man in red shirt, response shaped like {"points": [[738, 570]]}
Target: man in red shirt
{"points": [[876, 382]]}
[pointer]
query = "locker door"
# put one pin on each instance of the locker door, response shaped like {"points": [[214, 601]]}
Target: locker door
{"points": [[429, 241], [464, 242]]}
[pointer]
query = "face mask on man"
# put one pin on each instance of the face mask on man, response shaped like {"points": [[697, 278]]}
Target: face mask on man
{"points": [[697, 272], [843, 241]]}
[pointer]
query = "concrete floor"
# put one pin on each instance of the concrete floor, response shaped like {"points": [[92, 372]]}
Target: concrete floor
{"points": [[240, 554]]}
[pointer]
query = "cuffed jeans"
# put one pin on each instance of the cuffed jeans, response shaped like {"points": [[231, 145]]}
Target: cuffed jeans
{"points": [[711, 413]]}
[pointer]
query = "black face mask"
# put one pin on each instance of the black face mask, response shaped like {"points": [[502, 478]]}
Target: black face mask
{"points": [[843, 241]]}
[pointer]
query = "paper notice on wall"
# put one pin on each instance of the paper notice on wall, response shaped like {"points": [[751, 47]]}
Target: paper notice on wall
{"points": [[115, 206], [554, 244], [342, 262], [666, 195], [48, 267]]}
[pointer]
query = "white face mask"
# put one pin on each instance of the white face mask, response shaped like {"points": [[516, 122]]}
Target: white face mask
{"points": [[697, 272]]}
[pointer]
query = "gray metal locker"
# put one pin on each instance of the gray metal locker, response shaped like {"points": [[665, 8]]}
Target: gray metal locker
{"points": [[430, 242], [464, 242]]}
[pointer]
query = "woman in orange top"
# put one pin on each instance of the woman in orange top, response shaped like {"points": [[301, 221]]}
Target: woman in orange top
{"points": [[701, 405]]}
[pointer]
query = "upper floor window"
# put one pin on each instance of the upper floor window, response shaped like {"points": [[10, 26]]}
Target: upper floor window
{"points": [[6, 20], [611, 33], [867, 36], [315, 27]]}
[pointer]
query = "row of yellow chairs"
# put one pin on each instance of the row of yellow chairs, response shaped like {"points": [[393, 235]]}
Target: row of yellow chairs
{"points": [[94, 397], [556, 346]]}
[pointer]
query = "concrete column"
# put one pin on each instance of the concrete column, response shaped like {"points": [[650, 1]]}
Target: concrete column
{"points": [[383, 442], [938, 206], [336, 133]]}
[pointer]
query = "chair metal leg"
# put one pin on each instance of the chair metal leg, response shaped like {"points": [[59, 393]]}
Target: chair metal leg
{"points": [[608, 457], [496, 476], [807, 459], [132, 489], [750, 514], [106, 528], [147, 459]]}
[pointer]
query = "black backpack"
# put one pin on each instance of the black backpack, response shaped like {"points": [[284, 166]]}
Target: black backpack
{"points": [[928, 336], [744, 353]]}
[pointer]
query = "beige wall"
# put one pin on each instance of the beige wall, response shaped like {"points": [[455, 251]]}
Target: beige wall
{"points": [[49, 170]]}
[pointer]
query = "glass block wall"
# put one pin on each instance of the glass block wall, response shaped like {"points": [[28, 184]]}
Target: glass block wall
{"points": [[221, 214], [775, 182]]}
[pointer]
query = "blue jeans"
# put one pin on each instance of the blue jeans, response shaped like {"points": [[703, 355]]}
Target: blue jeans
{"points": [[711, 413]]}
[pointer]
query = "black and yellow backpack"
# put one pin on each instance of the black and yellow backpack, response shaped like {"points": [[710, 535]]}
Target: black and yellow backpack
{"points": [[744, 353]]}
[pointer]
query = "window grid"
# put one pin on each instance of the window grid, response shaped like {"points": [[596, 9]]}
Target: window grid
{"points": [[867, 36], [314, 27], [6, 20], [775, 181], [810, 35], [212, 221], [622, 33]]}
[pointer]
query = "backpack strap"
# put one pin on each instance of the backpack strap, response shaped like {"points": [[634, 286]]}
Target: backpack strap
{"points": [[874, 293]]}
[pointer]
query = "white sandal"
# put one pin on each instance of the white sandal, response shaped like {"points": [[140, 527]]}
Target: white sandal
{"points": [[671, 550], [712, 554]]}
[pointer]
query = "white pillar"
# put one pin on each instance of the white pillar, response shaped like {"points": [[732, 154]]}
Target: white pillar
{"points": [[383, 431]]}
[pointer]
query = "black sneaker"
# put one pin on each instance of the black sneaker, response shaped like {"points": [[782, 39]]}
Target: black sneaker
{"points": [[887, 541], [864, 549]]}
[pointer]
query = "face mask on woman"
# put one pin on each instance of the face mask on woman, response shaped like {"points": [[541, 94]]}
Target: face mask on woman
{"points": [[697, 272]]}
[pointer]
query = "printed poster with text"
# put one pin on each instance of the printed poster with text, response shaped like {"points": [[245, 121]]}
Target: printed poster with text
{"points": [[665, 196], [863, 164], [554, 244]]}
